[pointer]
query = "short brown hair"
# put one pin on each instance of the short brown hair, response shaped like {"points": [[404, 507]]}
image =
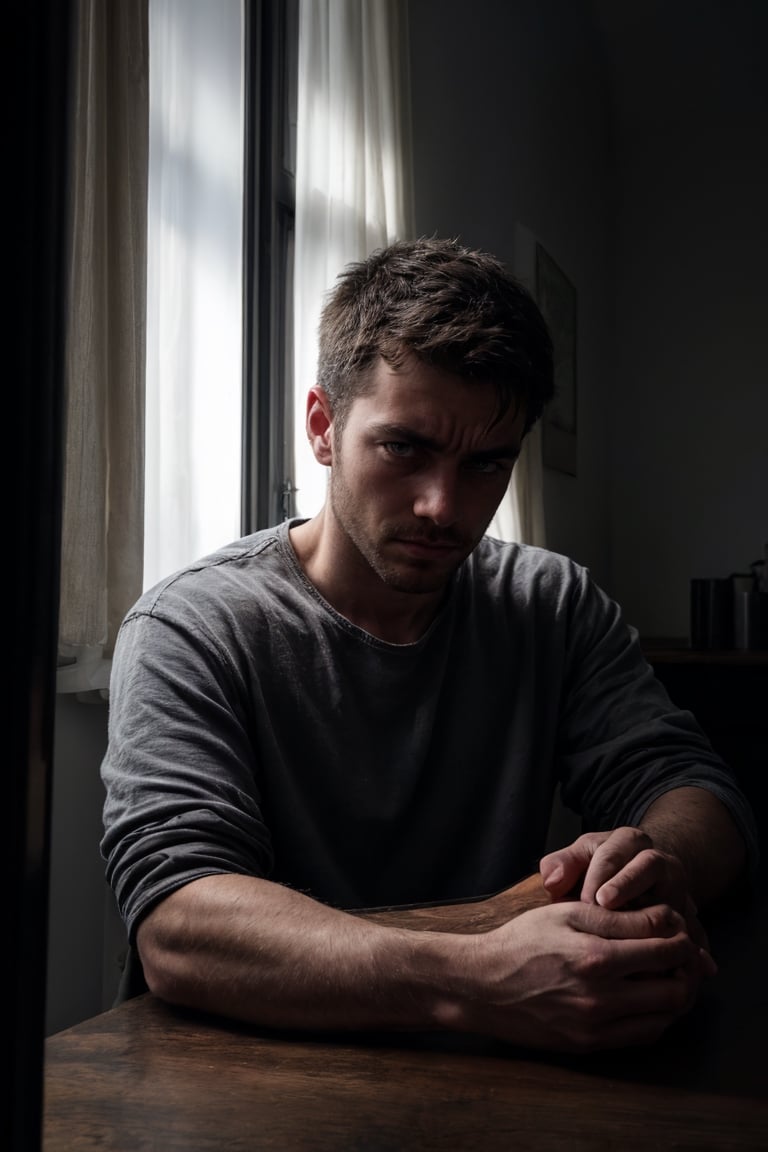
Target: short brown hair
{"points": [[451, 307]]}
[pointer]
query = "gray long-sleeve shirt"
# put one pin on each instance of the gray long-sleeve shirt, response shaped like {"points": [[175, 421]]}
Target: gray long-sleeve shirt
{"points": [[254, 730]]}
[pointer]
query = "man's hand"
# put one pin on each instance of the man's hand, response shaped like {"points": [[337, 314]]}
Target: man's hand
{"points": [[619, 870], [568, 976], [615, 870], [577, 977]]}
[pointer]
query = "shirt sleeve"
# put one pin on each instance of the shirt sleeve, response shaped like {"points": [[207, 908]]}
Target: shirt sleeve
{"points": [[182, 799], [622, 743]]}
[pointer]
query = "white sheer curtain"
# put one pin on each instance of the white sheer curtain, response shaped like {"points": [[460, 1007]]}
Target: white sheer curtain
{"points": [[354, 194], [194, 288], [353, 170], [103, 458]]}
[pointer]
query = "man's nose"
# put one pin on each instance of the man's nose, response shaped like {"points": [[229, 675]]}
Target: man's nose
{"points": [[436, 499]]}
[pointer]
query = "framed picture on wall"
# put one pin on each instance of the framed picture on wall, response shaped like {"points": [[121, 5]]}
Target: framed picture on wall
{"points": [[556, 296]]}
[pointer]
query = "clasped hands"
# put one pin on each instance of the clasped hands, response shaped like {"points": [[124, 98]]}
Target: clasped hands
{"points": [[617, 957], [622, 870]]}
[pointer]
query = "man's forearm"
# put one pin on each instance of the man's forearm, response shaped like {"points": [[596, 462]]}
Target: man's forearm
{"points": [[258, 951], [553, 977], [693, 825]]}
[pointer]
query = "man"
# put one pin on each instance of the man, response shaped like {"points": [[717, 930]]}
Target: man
{"points": [[374, 707]]}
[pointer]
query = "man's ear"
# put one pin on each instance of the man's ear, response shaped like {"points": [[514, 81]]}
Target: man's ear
{"points": [[320, 425]]}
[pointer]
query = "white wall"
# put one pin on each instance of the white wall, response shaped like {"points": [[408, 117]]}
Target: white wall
{"points": [[510, 124], [689, 465]]}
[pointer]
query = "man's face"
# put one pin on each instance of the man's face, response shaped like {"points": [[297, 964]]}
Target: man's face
{"points": [[418, 471]]}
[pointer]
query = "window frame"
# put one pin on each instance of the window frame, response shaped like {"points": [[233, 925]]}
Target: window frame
{"points": [[270, 68]]}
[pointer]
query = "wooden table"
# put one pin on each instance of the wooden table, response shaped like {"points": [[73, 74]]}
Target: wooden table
{"points": [[147, 1076]]}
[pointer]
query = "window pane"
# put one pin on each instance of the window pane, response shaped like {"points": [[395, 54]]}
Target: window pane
{"points": [[194, 287]]}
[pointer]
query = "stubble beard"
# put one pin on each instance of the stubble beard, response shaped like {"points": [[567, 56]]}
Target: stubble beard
{"points": [[406, 577]]}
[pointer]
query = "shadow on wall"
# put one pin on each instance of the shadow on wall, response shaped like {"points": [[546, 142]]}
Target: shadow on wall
{"points": [[85, 934]]}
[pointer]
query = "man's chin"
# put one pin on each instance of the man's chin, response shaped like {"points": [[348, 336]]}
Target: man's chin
{"points": [[417, 576]]}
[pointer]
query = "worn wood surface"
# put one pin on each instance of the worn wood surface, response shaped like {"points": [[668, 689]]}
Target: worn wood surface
{"points": [[146, 1076], [466, 916]]}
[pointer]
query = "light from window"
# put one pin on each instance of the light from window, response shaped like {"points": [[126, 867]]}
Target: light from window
{"points": [[194, 283]]}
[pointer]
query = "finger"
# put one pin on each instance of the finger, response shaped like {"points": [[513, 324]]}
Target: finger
{"points": [[610, 857], [552, 869], [655, 958], [657, 921], [656, 946], [671, 993], [650, 871], [562, 871], [632, 1010], [643, 958]]}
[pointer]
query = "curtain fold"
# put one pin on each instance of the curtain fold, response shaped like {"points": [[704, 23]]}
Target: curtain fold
{"points": [[353, 170], [354, 194], [102, 528]]}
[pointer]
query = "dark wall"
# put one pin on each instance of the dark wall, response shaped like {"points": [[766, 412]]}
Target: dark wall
{"points": [[35, 152]]}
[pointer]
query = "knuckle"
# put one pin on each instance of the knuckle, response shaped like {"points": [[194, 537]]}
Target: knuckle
{"points": [[682, 955], [664, 920], [591, 1013], [589, 843], [592, 961], [625, 844], [636, 837], [612, 855], [652, 863]]}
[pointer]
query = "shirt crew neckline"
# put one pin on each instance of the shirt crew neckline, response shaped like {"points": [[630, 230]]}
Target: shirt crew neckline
{"points": [[288, 554]]}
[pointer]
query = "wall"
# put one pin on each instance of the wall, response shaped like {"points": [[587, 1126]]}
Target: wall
{"points": [[510, 124], [689, 463], [83, 943], [630, 138]]}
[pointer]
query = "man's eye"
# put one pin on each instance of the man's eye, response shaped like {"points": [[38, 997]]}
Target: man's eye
{"points": [[486, 467], [399, 448]]}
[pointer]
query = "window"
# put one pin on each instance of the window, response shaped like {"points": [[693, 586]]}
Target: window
{"points": [[271, 66], [216, 107], [228, 462], [220, 255]]}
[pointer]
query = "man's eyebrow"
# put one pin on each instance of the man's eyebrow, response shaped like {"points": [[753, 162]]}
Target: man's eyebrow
{"points": [[401, 432]]}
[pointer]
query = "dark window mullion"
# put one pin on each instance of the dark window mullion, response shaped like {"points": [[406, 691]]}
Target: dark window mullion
{"points": [[268, 205]]}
